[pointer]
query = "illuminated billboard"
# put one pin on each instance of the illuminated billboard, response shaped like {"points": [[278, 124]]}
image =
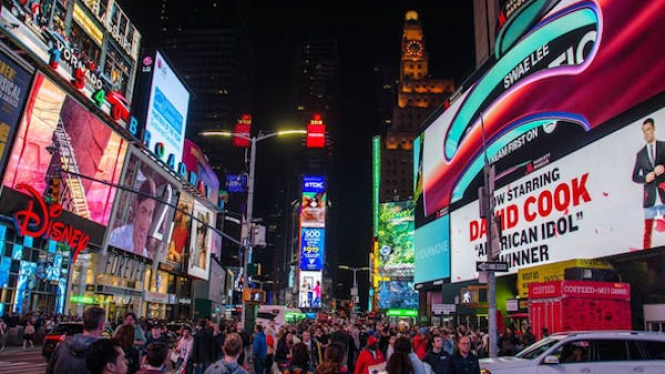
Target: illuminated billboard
{"points": [[14, 87], [165, 111], [313, 208], [397, 295], [564, 69], [200, 245], [182, 225], [432, 251], [56, 135], [143, 215], [69, 42], [199, 171], [395, 238], [310, 287], [312, 249]]}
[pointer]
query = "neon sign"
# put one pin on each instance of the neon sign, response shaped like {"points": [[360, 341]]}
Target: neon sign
{"points": [[38, 220]]}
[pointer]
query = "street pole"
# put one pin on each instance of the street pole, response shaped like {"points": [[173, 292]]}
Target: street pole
{"points": [[248, 223]]}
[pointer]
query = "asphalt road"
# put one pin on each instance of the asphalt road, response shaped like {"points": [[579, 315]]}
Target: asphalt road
{"points": [[15, 360]]}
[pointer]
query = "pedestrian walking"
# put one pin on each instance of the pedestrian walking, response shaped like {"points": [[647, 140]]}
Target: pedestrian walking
{"points": [[155, 358], [437, 357], [369, 356], [232, 348], [259, 350], [463, 361], [300, 363], [28, 334], [4, 330], [333, 359], [125, 337], [106, 357]]}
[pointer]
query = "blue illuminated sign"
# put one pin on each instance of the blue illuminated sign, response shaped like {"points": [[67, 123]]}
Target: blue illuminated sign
{"points": [[432, 251], [312, 245], [313, 184]]}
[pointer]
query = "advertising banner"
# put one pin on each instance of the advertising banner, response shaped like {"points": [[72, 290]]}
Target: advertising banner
{"points": [[201, 243], [200, 172], [593, 198], [432, 251], [313, 208], [236, 183], [563, 70], [57, 133], [397, 295], [312, 249], [553, 272], [182, 224], [310, 289], [589, 289], [166, 117], [143, 217], [14, 87], [396, 251], [69, 43]]}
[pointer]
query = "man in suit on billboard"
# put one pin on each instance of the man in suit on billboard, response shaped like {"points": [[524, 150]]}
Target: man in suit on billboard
{"points": [[650, 172]]}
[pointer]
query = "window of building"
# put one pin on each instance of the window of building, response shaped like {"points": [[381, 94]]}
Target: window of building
{"points": [[116, 69]]}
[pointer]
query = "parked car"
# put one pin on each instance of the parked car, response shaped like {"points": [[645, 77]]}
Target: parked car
{"points": [[606, 352], [64, 330]]}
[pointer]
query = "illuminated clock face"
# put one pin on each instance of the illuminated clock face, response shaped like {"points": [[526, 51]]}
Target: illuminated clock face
{"points": [[414, 48]]}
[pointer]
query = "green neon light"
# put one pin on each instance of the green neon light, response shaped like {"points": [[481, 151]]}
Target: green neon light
{"points": [[402, 313], [81, 299], [376, 180]]}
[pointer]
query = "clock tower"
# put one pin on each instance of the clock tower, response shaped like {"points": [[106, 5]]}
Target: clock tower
{"points": [[417, 96]]}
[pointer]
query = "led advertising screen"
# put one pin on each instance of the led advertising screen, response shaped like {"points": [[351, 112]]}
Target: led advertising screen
{"points": [[312, 249], [14, 87], [396, 252], [166, 117], [566, 68], [57, 133], [593, 198], [69, 42], [182, 225], [397, 295], [432, 251], [310, 287], [313, 208], [143, 217], [200, 172], [200, 245]]}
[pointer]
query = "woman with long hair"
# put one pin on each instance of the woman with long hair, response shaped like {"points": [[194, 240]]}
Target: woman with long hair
{"points": [[400, 362], [333, 360], [299, 360], [125, 337]]}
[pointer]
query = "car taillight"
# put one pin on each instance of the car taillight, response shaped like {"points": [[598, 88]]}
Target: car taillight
{"points": [[485, 371]]}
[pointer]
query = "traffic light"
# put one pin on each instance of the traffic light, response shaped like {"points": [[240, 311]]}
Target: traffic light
{"points": [[243, 128], [54, 189], [316, 133], [254, 296]]}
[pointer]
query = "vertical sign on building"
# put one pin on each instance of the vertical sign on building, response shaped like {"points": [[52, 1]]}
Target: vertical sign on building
{"points": [[376, 180], [312, 241]]}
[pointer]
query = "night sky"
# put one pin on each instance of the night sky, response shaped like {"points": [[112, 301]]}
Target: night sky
{"points": [[368, 35]]}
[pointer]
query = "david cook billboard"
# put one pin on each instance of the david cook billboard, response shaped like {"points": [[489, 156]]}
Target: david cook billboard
{"points": [[587, 201]]}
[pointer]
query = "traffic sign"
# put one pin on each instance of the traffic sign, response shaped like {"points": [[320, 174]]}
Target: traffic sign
{"points": [[492, 266]]}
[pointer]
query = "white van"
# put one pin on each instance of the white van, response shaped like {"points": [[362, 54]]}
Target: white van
{"points": [[277, 315]]}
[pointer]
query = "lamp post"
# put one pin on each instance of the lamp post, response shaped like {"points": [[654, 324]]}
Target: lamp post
{"points": [[355, 270], [247, 237]]}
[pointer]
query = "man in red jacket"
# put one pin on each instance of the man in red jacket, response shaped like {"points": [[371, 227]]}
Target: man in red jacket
{"points": [[369, 356], [420, 343]]}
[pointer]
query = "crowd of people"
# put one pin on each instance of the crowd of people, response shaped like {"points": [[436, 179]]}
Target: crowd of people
{"points": [[306, 347]]}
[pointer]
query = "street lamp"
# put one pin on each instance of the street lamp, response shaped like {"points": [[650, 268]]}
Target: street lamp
{"points": [[246, 240], [355, 279]]}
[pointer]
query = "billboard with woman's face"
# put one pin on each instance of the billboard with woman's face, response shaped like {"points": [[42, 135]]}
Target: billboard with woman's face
{"points": [[61, 141], [143, 216], [200, 244], [182, 224]]}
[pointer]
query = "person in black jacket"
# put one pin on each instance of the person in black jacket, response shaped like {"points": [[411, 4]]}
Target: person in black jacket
{"points": [[463, 361], [437, 357], [202, 351]]}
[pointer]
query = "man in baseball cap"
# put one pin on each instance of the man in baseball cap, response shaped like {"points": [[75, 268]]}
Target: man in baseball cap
{"points": [[369, 356]]}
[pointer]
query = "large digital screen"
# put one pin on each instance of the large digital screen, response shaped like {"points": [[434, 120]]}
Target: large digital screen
{"points": [[166, 117], [313, 208], [593, 198], [143, 215], [566, 68], [312, 248], [310, 287], [182, 225], [200, 245], [200, 172], [397, 295], [432, 251], [57, 133], [395, 238], [14, 87]]}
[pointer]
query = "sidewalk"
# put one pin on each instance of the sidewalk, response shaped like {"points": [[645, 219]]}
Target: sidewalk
{"points": [[18, 348]]}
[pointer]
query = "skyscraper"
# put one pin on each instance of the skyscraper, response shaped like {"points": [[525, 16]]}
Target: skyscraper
{"points": [[417, 95]]}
